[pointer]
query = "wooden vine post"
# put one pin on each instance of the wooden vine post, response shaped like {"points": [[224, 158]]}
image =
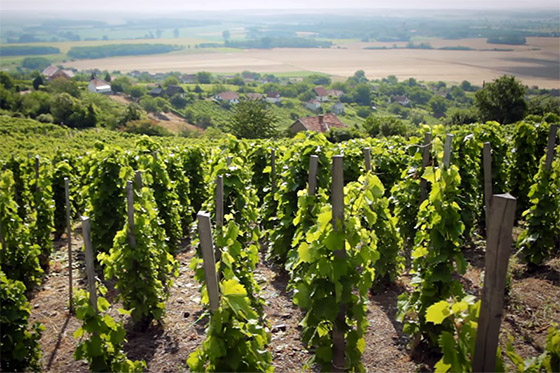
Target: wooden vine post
{"points": [[487, 165], [498, 247], [138, 180], [448, 147], [550, 147], [130, 211], [86, 231], [220, 201], [208, 257], [69, 234], [337, 200], [273, 171], [312, 178], [426, 150], [367, 158]]}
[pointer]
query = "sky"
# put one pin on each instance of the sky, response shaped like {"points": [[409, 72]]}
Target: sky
{"points": [[161, 6]]}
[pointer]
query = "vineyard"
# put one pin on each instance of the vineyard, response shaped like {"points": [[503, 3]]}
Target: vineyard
{"points": [[262, 255]]}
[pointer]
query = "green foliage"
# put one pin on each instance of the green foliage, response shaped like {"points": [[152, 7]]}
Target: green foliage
{"points": [[252, 120], [27, 50], [235, 339], [108, 169], [457, 346], [327, 282], [548, 361], [437, 254], [145, 127], [438, 106], [20, 257], [502, 100], [36, 63], [20, 350], [142, 269], [111, 50], [385, 126], [543, 216], [103, 347]]}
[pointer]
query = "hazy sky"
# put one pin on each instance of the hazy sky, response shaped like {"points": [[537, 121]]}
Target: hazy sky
{"points": [[177, 5]]}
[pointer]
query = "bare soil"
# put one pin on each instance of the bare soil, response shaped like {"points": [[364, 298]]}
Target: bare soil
{"points": [[532, 305]]}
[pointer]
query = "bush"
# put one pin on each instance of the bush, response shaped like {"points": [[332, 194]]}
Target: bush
{"points": [[385, 126], [20, 349], [336, 135], [45, 118], [145, 127]]}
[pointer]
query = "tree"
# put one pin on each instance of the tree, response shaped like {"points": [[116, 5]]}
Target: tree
{"points": [[62, 107], [37, 82], [226, 35], [35, 63], [252, 120], [178, 101], [135, 91], [6, 80], [361, 95], [107, 77], [203, 77], [170, 80], [502, 100], [62, 85], [120, 84], [438, 105], [384, 126]]}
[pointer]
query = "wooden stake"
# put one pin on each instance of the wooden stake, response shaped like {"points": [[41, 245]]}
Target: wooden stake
{"points": [[367, 158], [2, 240], [205, 233], [37, 164], [447, 150], [220, 201], [498, 248], [228, 161], [69, 234], [337, 201], [130, 211], [138, 180], [551, 144], [312, 178], [426, 151], [273, 170], [487, 165], [86, 232]]}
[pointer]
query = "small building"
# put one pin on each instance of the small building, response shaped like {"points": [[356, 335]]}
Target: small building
{"points": [[401, 100], [254, 96], [53, 72], [156, 92], [338, 108], [187, 78], [273, 97], [313, 105], [320, 123], [321, 94], [228, 96], [99, 86], [336, 93], [175, 89]]}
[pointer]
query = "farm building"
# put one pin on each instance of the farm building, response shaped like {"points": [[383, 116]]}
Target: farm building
{"points": [[53, 72], [320, 123], [99, 86], [228, 96]]}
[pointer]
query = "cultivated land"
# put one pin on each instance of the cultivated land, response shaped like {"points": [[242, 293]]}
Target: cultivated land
{"points": [[536, 63]]}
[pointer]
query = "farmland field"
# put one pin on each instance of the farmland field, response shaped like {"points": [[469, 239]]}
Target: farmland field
{"points": [[536, 63]]}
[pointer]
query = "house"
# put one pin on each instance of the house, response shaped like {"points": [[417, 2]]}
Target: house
{"points": [[401, 100], [99, 86], [336, 93], [173, 90], [254, 96], [53, 72], [273, 97], [228, 96], [338, 108], [156, 92], [313, 105], [320, 123], [188, 78], [321, 94]]}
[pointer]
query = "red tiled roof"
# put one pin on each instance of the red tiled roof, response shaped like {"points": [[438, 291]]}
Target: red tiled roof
{"points": [[321, 123], [273, 94], [254, 96], [321, 92], [99, 82], [228, 96], [49, 71]]}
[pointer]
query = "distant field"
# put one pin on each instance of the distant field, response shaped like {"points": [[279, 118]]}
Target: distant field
{"points": [[537, 63]]}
